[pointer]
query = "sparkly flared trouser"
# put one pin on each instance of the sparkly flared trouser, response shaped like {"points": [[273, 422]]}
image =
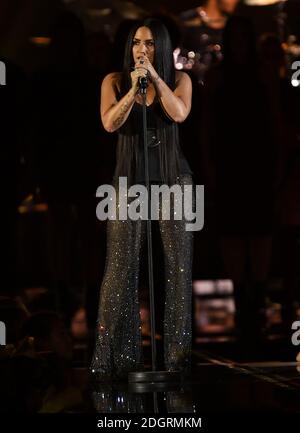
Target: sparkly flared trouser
{"points": [[118, 347]]}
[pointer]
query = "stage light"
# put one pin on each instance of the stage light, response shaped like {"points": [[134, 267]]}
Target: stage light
{"points": [[41, 41]]}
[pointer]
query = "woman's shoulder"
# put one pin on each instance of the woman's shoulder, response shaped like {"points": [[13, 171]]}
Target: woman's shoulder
{"points": [[181, 76], [113, 78]]}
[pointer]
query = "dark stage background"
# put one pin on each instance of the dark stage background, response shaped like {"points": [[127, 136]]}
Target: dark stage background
{"points": [[242, 141]]}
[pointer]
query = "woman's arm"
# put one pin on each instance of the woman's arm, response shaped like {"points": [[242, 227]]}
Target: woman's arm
{"points": [[177, 103], [114, 113]]}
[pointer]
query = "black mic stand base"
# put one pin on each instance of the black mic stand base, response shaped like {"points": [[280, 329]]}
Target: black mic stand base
{"points": [[154, 376]]}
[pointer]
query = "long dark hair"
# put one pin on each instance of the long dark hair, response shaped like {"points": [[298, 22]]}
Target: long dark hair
{"points": [[167, 131]]}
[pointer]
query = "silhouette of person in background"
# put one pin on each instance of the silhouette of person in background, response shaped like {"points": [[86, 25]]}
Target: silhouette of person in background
{"points": [[241, 169], [202, 29]]}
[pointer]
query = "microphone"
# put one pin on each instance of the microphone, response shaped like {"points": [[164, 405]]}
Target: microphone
{"points": [[143, 84]]}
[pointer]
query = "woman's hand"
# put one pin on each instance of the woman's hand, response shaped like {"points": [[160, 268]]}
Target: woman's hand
{"points": [[135, 75], [145, 64]]}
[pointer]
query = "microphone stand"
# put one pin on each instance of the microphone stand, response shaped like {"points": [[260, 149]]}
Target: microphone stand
{"points": [[152, 376]]}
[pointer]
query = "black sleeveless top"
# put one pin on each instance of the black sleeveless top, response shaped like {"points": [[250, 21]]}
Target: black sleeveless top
{"points": [[153, 111]]}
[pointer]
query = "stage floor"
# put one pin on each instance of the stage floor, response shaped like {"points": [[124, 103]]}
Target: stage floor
{"points": [[225, 379]]}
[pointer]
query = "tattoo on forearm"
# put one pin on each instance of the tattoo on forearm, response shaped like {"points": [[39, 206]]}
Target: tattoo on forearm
{"points": [[119, 120], [156, 83]]}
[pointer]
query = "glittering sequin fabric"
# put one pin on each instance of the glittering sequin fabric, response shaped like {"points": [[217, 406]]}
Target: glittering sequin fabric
{"points": [[118, 347]]}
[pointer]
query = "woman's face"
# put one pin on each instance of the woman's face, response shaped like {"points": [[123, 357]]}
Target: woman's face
{"points": [[143, 44]]}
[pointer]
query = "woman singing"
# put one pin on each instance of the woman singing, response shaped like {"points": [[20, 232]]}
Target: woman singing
{"points": [[118, 348]]}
